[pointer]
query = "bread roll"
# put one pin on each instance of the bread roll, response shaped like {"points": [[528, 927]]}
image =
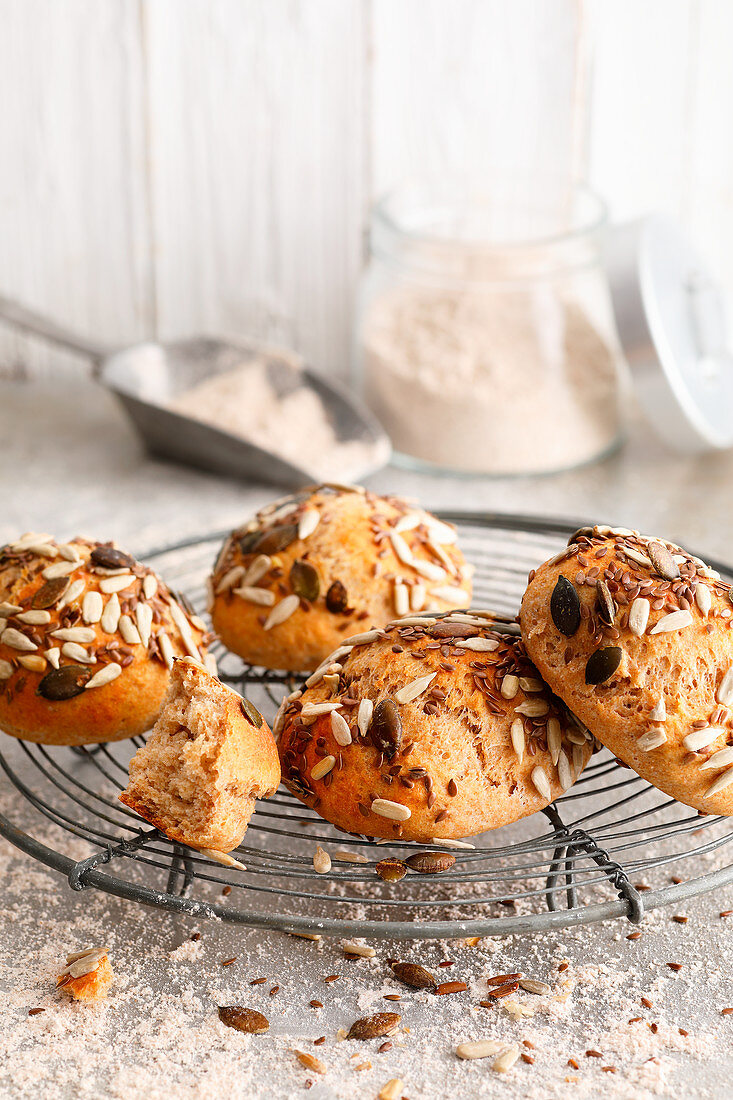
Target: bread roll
{"points": [[307, 571], [435, 727]]}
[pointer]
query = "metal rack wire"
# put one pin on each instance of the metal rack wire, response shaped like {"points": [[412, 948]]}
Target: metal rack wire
{"points": [[580, 861]]}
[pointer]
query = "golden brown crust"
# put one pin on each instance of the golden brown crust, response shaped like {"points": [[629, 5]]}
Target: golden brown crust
{"points": [[455, 761], [360, 578], [206, 761], [651, 711], [154, 625]]}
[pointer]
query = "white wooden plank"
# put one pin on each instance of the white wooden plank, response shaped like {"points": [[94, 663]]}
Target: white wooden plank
{"points": [[478, 90], [73, 236], [642, 69], [256, 113]]}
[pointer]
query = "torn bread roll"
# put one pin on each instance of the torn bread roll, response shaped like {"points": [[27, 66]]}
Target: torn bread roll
{"points": [[635, 635], [437, 727], [312, 568], [210, 755]]}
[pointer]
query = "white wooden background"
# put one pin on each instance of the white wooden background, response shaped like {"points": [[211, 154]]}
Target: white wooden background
{"points": [[172, 166]]}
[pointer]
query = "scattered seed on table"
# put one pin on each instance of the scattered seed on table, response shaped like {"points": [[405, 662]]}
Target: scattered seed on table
{"points": [[332, 978], [275, 989], [450, 987], [502, 979], [258, 981], [679, 919], [634, 936], [675, 966], [228, 962], [646, 1002], [593, 1054], [319, 1042], [316, 1004], [723, 1011]]}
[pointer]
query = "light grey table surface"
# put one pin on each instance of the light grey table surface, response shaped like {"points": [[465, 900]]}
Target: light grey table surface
{"points": [[70, 464]]}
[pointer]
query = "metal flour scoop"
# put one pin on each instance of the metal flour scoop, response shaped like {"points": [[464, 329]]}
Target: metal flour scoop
{"points": [[147, 377]]}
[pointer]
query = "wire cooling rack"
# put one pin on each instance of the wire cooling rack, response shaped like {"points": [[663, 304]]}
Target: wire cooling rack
{"points": [[587, 857]]}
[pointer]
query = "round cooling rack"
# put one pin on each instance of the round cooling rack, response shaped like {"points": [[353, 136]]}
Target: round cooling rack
{"points": [[609, 847]]}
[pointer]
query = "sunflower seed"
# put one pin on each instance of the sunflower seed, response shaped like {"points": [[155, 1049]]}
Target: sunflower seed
{"points": [[724, 694], [323, 767], [506, 1060], [6, 670], [314, 710], [430, 863], [429, 570], [84, 635], [565, 607], [230, 578], [386, 727], [533, 986], [414, 689], [374, 1027], [446, 842], [554, 739], [308, 522], [110, 619], [263, 597], [541, 782], [166, 648], [321, 859], [478, 645], [659, 713], [482, 1048], [74, 956], [351, 947], [418, 596], [33, 662], [52, 656], [48, 594], [510, 686], [417, 977], [150, 585], [349, 857], [77, 653], [129, 631], [224, 858], [700, 739], [720, 783], [244, 1019], [518, 741], [105, 675], [92, 607], [309, 1061], [401, 549], [703, 599], [63, 683], [676, 620], [654, 739], [16, 640], [638, 616], [662, 561], [72, 593], [108, 585], [59, 569], [393, 810], [281, 612], [144, 622], [564, 772], [184, 629], [304, 580], [451, 594], [533, 708], [34, 618], [602, 664], [340, 729], [530, 684], [401, 599], [337, 599], [720, 759], [257, 570], [606, 604], [364, 716], [363, 639], [637, 557]]}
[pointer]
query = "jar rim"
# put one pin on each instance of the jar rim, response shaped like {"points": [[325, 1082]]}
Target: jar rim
{"points": [[385, 213]]}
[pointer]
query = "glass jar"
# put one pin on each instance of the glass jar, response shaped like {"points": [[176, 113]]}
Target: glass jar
{"points": [[485, 340]]}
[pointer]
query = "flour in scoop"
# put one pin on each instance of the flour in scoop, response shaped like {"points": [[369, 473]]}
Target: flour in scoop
{"points": [[295, 426]]}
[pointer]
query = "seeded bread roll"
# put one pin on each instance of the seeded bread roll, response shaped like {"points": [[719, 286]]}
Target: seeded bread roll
{"points": [[635, 636], [436, 727], [307, 571], [210, 755], [87, 638]]}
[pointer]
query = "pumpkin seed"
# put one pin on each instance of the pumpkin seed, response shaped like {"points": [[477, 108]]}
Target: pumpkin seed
{"points": [[663, 562], [413, 975], [386, 727], [602, 664], [452, 630], [430, 863], [251, 713], [374, 1027], [337, 599], [606, 603], [50, 592], [391, 869], [244, 1019], [247, 541], [276, 539], [64, 683], [109, 558], [304, 580], [565, 607]]}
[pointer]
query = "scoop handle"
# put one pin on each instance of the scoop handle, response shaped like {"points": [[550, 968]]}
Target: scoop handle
{"points": [[27, 320]]}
